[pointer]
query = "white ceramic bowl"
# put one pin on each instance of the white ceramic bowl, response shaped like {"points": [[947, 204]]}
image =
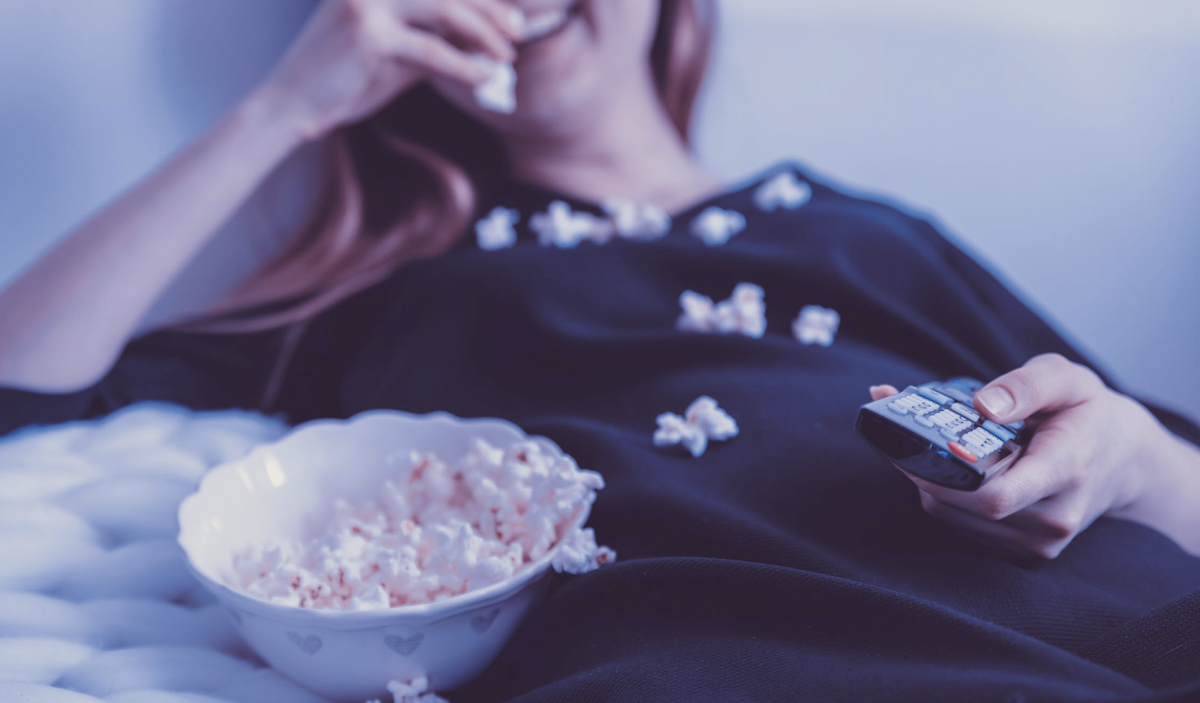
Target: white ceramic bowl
{"points": [[279, 491]]}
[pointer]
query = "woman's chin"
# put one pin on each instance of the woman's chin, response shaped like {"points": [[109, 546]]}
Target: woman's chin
{"points": [[549, 115], [553, 73]]}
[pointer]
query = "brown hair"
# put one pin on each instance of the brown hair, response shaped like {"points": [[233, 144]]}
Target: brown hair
{"points": [[439, 158]]}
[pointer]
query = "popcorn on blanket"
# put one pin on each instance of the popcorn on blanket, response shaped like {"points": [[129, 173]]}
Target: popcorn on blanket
{"points": [[744, 312], [715, 226], [497, 230], [436, 532], [415, 691], [562, 227], [703, 421], [782, 191], [816, 325], [637, 222]]}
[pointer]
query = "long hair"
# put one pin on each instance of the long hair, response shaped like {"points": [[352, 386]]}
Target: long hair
{"points": [[438, 159]]}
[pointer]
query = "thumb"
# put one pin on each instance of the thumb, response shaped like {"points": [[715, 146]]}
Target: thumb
{"points": [[1047, 382]]}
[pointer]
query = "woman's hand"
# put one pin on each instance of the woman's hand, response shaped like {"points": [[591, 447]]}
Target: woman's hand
{"points": [[355, 56], [1095, 452]]}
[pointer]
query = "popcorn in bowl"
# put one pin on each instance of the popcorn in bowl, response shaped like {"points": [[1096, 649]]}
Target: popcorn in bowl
{"points": [[485, 496], [434, 531]]}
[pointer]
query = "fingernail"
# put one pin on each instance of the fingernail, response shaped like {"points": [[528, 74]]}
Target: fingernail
{"points": [[997, 401], [872, 389]]}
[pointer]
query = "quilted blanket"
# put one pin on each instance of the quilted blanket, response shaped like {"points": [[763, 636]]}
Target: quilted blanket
{"points": [[96, 603]]}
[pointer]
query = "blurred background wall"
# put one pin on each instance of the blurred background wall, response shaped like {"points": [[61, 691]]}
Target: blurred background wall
{"points": [[1057, 139]]}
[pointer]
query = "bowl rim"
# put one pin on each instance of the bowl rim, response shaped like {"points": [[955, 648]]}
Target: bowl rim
{"points": [[424, 613]]}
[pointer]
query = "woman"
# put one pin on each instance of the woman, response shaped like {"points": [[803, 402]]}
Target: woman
{"points": [[787, 563]]}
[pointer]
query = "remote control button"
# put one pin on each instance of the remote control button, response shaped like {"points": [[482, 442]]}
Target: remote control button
{"points": [[926, 420], [965, 412], [945, 418], [982, 442], [971, 384], [1005, 434], [939, 398], [941, 419], [958, 394], [962, 452], [951, 423], [922, 406], [911, 403]]}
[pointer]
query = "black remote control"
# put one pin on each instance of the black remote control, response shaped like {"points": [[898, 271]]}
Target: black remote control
{"points": [[932, 431]]}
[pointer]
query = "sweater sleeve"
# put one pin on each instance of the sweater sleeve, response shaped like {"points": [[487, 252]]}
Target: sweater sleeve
{"points": [[296, 371], [199, 371], [1034, 335]]}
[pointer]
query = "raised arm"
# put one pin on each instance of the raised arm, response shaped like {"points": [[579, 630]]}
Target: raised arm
{"points": [[67, 318]]}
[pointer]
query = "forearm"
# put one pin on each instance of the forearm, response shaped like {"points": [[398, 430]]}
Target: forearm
{"points": [[67, 318], [1170, 497]]}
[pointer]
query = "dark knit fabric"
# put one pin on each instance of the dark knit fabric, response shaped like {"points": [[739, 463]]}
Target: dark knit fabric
{"points": [[791, 563]]}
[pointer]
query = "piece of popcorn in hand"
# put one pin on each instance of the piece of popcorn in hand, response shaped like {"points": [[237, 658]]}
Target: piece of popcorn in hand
{"points": [[715, 226], [744, 312], [496, 231], [702, 422], [636, 222], [816, 325], [562, 227], [498, 93], [783, 191]]}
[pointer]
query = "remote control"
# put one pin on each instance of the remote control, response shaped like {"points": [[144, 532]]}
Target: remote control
{"points": [[933, 432]]}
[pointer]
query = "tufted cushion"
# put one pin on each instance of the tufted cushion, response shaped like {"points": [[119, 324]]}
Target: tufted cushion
{"points": [[96, 603]]}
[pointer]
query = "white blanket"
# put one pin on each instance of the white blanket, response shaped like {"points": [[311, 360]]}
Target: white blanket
{"points": [[95, 601]]}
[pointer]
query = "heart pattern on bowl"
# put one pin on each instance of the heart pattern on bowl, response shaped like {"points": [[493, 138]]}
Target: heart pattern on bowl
{"points": [[481, 623], [309, 645], [403, 646]]}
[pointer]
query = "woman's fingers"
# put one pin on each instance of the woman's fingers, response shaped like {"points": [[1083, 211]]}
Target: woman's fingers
{"points": [[1048, 466], [428, 51], [509, 19], [1051, 493], [992, 534], [469, 26], [485, 26], [1040, 532], [882, 391], [439, 56], [1047, 382]]}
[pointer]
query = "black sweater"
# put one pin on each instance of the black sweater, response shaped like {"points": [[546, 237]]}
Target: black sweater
{"points": [[790, 563]]}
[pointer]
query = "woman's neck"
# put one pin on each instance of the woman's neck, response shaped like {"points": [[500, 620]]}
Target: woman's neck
{"points": [[630, 150]]}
